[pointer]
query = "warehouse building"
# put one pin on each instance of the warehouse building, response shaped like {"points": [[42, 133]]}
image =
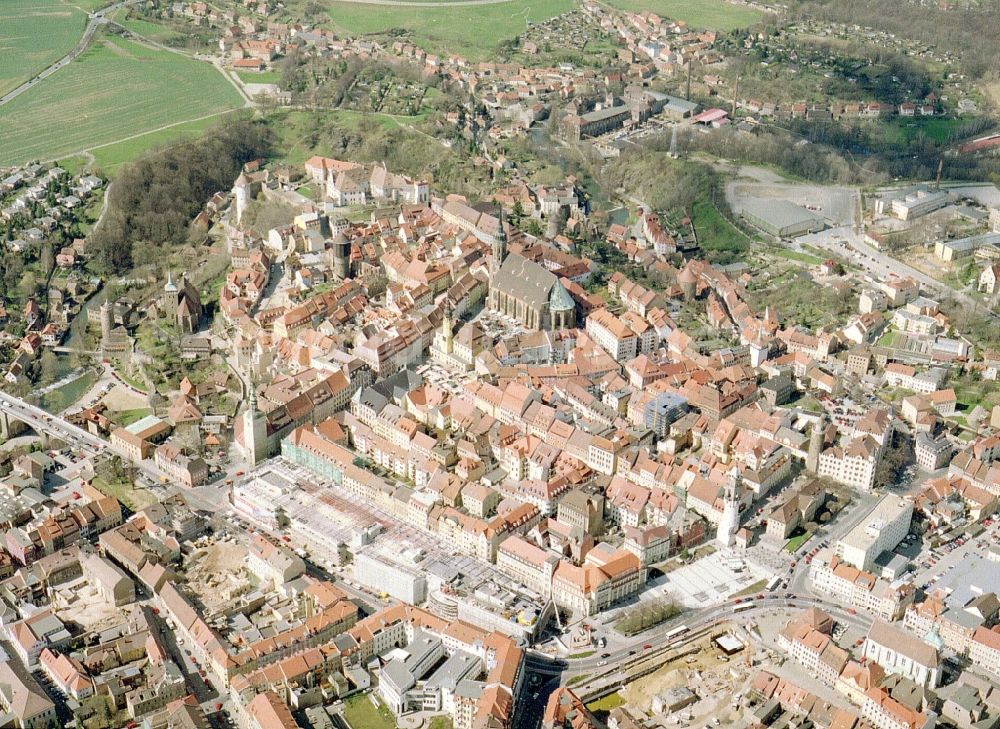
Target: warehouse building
{"points": [[986, 245], [781, 218]]}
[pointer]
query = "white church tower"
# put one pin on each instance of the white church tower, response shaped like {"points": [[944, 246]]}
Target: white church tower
{"points": [[254, 431], [729, 524]]}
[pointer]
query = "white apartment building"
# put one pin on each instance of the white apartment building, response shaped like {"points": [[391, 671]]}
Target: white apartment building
{"points": [[530, 565], [273, 562], [911, 323], [883, 529], [905, 376], [857, 588], [984, 651], [932, 453], [852, 465], [613, 335], [392, 578], [872, 300]]}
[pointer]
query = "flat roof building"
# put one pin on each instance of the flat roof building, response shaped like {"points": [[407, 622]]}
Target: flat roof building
{"points": [[781, 218], [883, 529]]}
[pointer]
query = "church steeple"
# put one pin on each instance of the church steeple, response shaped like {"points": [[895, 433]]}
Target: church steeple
{"points": [[499, 245], [254, 429], [447, 325]]}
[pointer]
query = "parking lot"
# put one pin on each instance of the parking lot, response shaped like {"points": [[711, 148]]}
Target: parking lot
{"points": [[837, 205], [708, 581]]}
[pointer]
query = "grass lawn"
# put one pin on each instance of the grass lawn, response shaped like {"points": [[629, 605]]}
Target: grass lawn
{"points": [[797, 256], [127, 417], [471, 31], [585, 654], [891, 339], [62, 397], [115, 90], [260, 77], [751, 589], [34, 34], [713, 14], [90, 5], [360, 714], [715, 233], [936, 129], [134, 382], [607, 703], [127, 493], [795, 542], [153, 31], [441, 722]]}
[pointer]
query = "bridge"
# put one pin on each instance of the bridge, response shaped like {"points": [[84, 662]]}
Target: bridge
{"points": [[15, 409], [74, 350]]}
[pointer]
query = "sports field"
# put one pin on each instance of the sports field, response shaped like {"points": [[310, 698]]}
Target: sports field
{"points": [[472, 31], [116, 89], [711, 14], [34, 34]]}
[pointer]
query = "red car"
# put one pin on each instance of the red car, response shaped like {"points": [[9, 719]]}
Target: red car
{"points": [[647, 647]]}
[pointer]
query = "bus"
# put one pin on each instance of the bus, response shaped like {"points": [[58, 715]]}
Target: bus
{"points": [[674, 632], [773, 583], [741, 608]]}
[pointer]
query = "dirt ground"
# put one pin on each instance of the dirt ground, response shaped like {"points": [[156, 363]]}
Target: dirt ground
{"points": [[926, 262], [217, 573], [122, 398], [703, 672], [89, 610]]}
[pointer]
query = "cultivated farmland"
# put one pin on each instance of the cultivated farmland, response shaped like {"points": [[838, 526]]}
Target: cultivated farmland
{"points": [[34, 34], [115, 90], [472, 31]]}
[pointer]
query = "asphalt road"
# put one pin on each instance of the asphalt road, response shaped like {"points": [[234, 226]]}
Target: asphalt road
{"points": [[43, 422]]}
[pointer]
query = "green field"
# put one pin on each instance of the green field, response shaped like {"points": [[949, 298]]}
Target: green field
{"points": [[108, 158], [607, 703], [713, 14], [797, 541], [151, 31], [260, 77], [797, 256], [117, 89], [360, 714], [937, 129], [34, 34], [471, 31]]}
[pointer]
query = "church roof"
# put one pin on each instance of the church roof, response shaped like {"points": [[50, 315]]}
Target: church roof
{"points": [[525, 281], [560, 300]]}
